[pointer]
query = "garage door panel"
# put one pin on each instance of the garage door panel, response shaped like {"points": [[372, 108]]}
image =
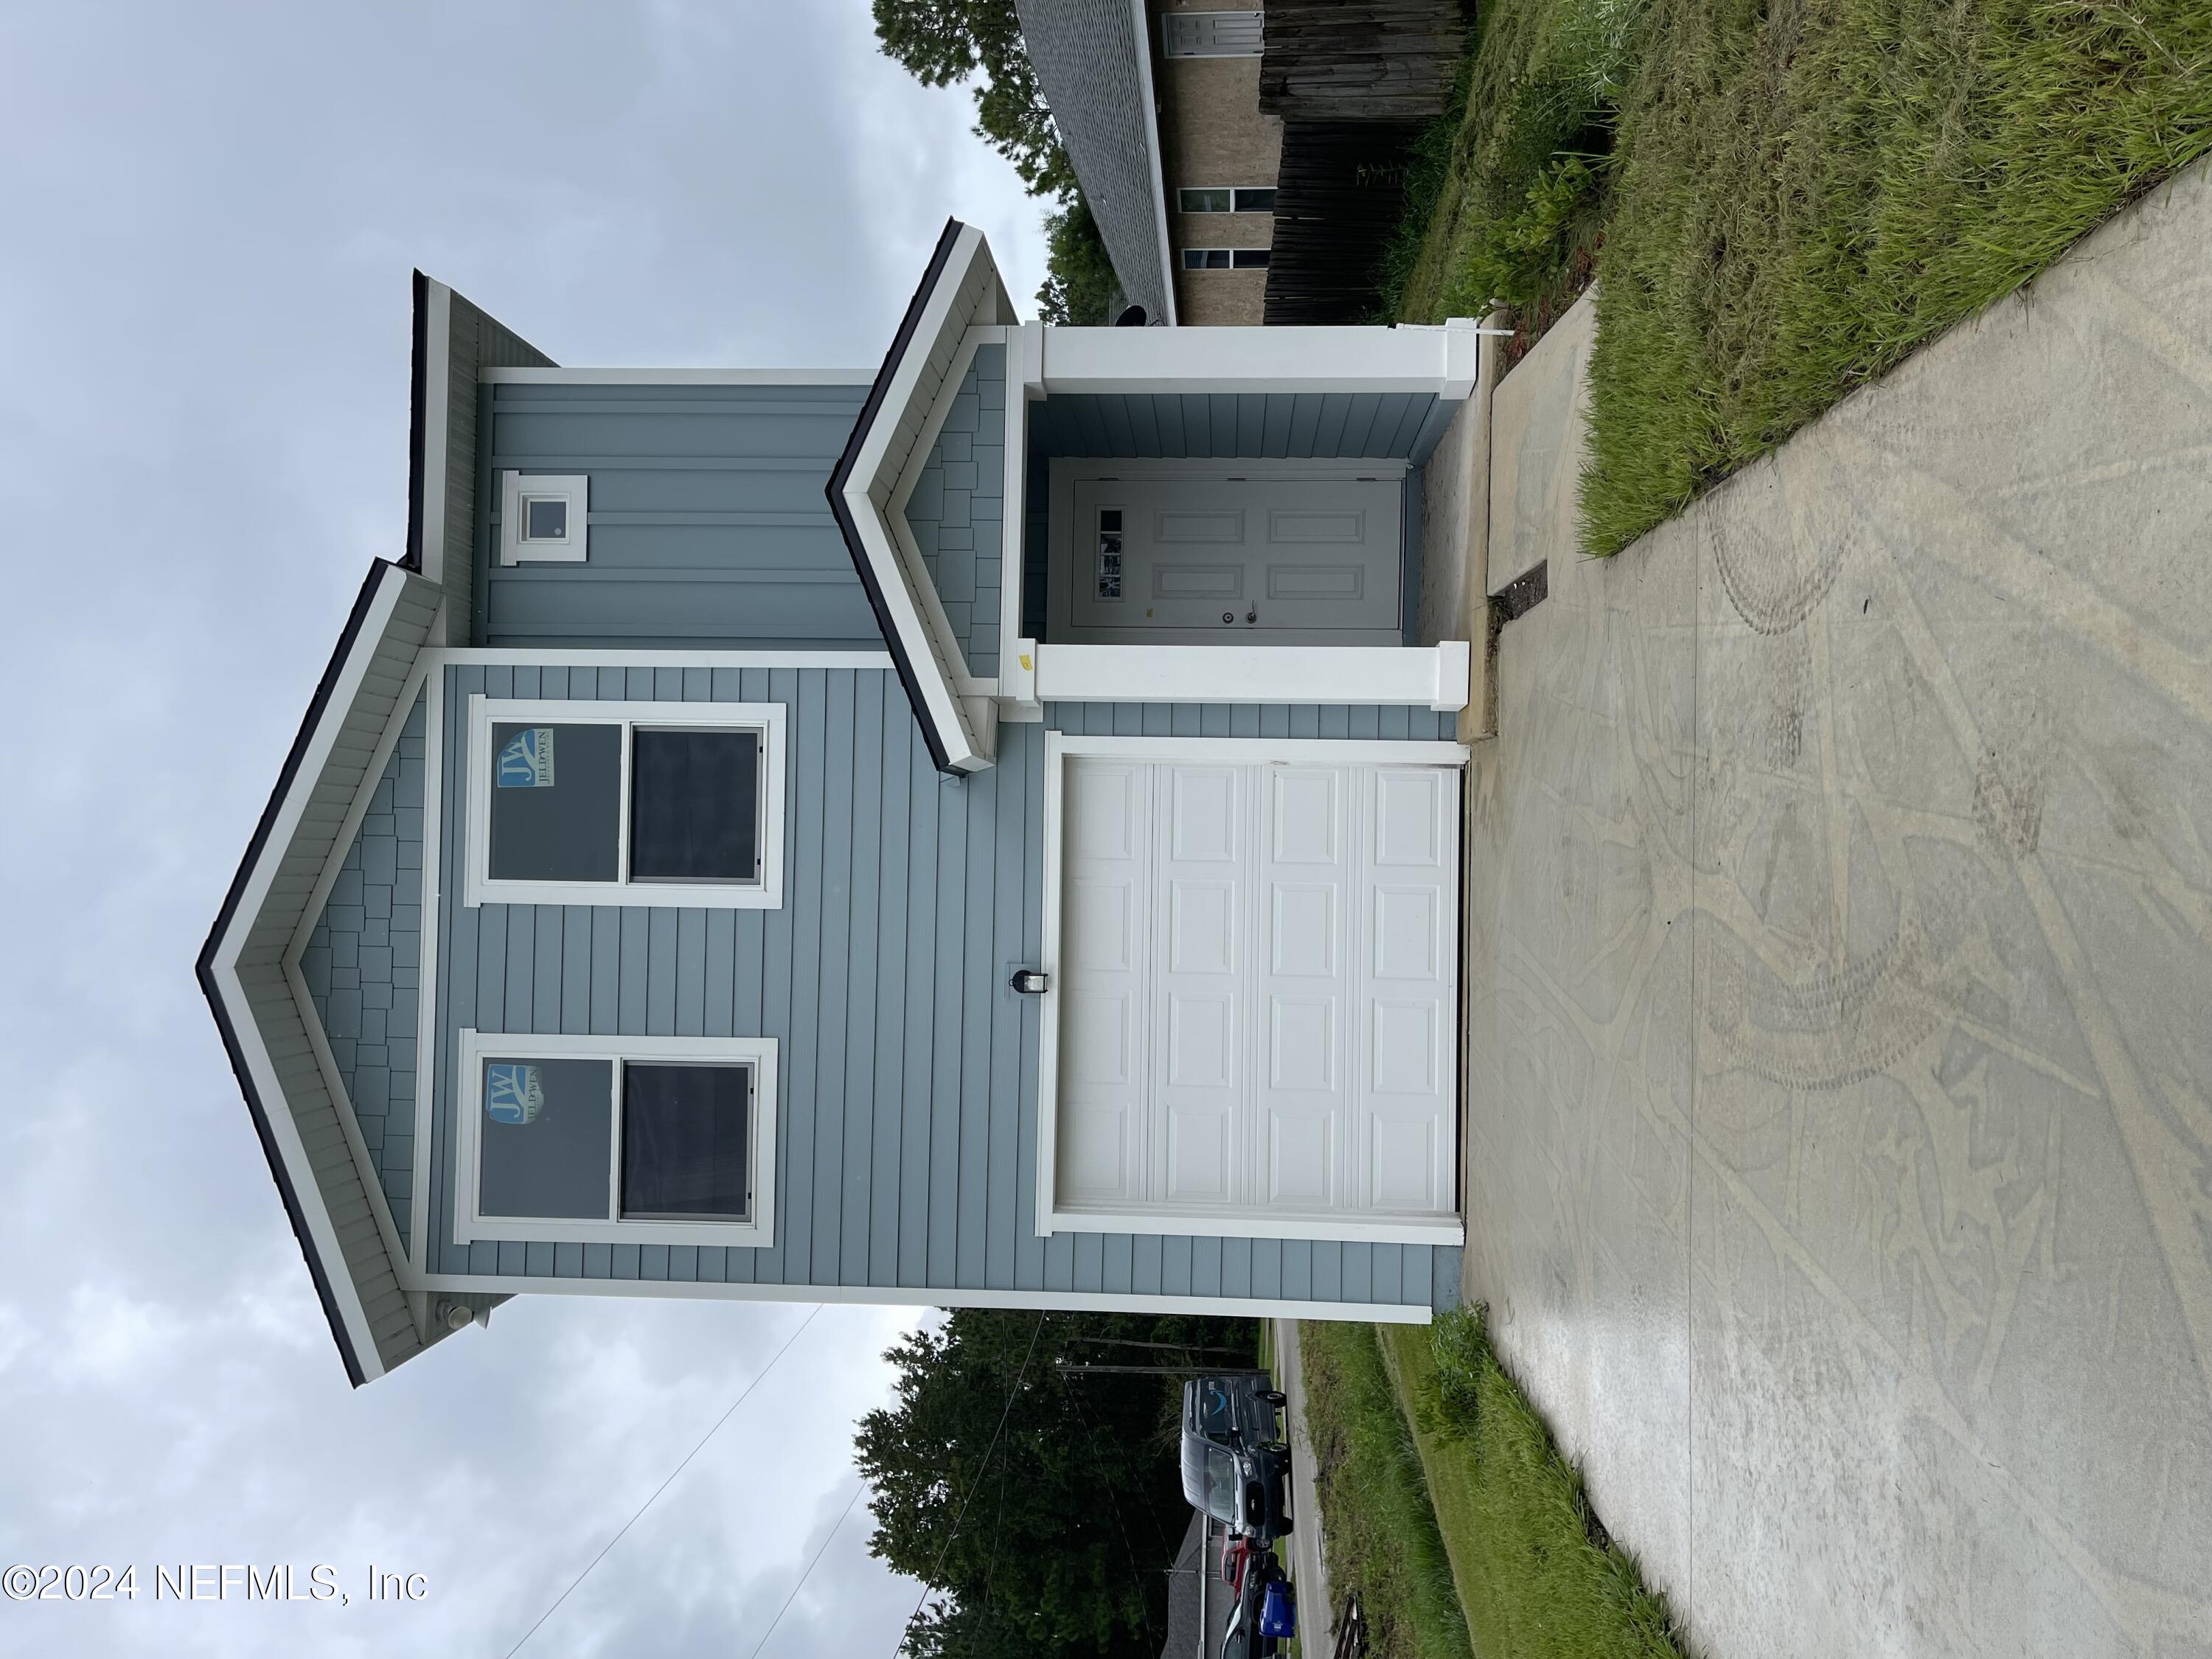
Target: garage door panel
{"points": [[1106, 811], [1299, 1155], [1261, 1003], [1408, 934], [1404, 1162], [1097, 1151]]}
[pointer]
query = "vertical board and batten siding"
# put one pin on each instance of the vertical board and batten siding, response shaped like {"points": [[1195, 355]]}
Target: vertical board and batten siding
{"points": [[957, 509], [707, 523], [1300, 426], [362, 967], [906, 1151]]}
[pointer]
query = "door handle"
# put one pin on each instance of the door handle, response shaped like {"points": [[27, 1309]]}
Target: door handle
{"points": [[1253, 615]]}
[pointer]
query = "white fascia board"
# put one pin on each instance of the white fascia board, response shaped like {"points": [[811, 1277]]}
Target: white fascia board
{"points": [[870, 498], [653, 656], [1353, 358], [852, 377], [285, 1130], [1142, 23], [437, 395], [1434, 677], [922, 1296], [1343, 1227]]}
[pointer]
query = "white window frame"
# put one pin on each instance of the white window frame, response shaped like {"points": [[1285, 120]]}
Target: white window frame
{"points": [[756, 1231], [1232, 190], [766, 717], [516, 489], [1232, 252]]}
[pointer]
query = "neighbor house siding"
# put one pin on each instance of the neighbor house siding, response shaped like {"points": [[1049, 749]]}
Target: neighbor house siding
{"points": [[957, 509], [361, 967], [906, 1154], [709, 526]]}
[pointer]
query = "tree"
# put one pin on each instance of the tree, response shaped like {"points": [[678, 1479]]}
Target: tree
{"points": [[1073, 1510], [944, 43], [1080, 282]]}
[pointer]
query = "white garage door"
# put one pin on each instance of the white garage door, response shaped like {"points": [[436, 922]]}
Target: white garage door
{"points": [[1258, 972]]}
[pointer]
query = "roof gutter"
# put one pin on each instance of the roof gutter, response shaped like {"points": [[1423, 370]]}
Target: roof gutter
{"points": [[1151, 113]]}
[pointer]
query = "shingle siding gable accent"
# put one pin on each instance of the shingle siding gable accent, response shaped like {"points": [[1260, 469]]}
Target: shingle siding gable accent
{"points": [[957, 509], [1085, 55], [362, 967], [907, 1151]]}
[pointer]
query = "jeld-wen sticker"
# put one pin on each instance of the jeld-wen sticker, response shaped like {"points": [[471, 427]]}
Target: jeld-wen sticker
{"points": [[526, 763], [513, 1093]]}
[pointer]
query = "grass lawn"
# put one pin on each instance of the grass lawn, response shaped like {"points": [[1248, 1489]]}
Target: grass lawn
{"points": [[1535, 1573], [1779, 199], [1379, 1529]]}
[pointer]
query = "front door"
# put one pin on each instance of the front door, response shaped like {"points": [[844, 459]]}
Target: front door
{"points": [[1259, 965], [1217, 557]]}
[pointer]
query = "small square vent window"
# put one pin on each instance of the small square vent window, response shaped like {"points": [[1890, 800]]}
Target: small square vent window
{"points": [[543, 517]]}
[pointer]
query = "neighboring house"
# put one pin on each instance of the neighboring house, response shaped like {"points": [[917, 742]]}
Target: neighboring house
{"points": [[1176, 115], [647, 903]]}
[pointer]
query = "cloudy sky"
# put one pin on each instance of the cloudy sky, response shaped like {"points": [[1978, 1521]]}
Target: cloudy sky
{"points": [[207, 214]]}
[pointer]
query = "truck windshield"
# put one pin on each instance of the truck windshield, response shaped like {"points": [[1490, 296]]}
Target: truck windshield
{"points": [[1221, 1484]]}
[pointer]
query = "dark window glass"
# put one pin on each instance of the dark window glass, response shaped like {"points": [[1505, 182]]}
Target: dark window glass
{"points": [[684, 1142], [548, 1133], [1256, 200], [695, 803], [555, 802], [1252, 258], [544, 518], [1203, 201]]}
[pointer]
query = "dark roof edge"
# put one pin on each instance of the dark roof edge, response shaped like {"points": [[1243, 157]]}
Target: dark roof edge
{"points": [[842, 473], [204, 968], [418, 420]]}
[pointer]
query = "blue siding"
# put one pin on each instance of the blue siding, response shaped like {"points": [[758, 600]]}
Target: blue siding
{"points": [[709, 526], [362, 964], [957, 509], [906, 1155]]}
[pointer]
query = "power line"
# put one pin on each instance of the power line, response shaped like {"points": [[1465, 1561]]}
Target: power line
{"points": [[664, 1485], [808, 1574], [945, 1550]]}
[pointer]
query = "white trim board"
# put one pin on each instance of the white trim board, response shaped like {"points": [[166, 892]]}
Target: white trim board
{"points": [[770, 719], [767, 377], [531, 656], [472, 1047], [1051, 1218], [1435, 676], [427, 1034], [1435, 358], [925, 1295]]}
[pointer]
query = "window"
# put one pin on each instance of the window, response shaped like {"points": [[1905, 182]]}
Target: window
{"points": [[1224, 258], [543, 517], [1212, 34], [625, 803], [1109, 552], [646, 1141], [1222, 198]]}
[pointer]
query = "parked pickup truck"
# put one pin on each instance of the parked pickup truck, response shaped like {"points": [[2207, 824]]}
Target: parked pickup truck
{"points": [[1235, 1466]]}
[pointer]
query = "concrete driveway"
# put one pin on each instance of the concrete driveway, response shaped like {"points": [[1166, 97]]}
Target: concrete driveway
{"points": [[1839, 1168]]}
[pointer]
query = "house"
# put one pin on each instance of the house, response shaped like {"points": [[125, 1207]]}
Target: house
{"points": [[1243, 166], [984, 836]]}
